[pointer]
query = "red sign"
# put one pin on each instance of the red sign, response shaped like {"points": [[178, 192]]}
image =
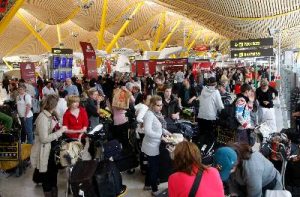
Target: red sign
{"points": [[180, 61], [201, 48], [89, 57], [27, 71], [91, 68], [140, 67], [3, 5], [201, 66]]}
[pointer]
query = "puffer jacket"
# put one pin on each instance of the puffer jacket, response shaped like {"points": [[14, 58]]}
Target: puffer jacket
{"points": [[43, 137]]}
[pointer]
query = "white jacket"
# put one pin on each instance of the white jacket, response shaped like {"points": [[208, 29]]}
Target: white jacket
{"points": [[153, 132], [140, 111], [43, 137], [210, 103]]}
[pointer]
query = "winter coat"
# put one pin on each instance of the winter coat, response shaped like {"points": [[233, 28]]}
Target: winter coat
{"points": [[43, 137]]}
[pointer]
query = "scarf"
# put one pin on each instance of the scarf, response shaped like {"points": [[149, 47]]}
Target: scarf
{"points": [[161, 119]]}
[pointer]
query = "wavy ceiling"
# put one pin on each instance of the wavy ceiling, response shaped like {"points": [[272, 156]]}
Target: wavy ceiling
{"points": [[216, 21], [79, 24]]}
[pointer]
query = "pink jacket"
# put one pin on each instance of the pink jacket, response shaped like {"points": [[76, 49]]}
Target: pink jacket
{"points": [[180, 184]]}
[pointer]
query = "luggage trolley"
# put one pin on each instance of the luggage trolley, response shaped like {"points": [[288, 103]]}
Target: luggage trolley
{"points": [[10, 150]]}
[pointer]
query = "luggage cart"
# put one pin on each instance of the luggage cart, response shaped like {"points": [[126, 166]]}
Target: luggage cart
{"points": [[10, 150]]}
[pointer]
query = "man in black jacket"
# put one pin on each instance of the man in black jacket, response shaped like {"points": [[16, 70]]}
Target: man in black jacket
{"points": [[265, 95], [170, 109]]}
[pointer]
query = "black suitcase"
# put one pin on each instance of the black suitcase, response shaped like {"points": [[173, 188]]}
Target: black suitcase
{"points": [[127, 160], [108, 179], [82, 178]]}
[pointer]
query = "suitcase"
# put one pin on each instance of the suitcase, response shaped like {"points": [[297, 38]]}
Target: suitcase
{"points": [[127, 160], [108, 179], [81, 179]]}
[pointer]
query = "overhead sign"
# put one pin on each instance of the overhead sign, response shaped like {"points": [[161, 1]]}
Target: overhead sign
{"points": [[252, 43], [28, 71], [61, 51], [179, 61], [252, 53]]}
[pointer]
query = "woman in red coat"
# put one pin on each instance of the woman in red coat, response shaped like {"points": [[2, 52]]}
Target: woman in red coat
{"points": [[75, 118]]}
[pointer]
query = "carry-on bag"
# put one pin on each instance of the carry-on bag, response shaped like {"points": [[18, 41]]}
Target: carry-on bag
{"points": [[108, 179], [81, 179]]}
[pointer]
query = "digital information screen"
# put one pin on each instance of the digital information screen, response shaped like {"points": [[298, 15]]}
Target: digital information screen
{"points": [[252, 43], [252, 53]]}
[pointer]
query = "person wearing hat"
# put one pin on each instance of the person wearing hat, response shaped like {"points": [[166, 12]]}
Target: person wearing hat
{"points": [[247, 173], [265, 96], [210, 104]]}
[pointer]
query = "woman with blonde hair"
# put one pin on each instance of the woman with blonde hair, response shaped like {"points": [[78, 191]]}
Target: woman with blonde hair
{"points": [[154, 127], [188, 167], [42, 153], [75, 118]]}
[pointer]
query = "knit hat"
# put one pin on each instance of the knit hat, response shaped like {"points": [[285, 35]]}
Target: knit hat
{"points": [[226, 159]]}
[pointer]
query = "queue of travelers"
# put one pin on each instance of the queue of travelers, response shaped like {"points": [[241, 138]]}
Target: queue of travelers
{"points": [[158, 101]]}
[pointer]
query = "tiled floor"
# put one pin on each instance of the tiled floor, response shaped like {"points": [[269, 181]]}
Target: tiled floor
{"points": [[24, 187]]}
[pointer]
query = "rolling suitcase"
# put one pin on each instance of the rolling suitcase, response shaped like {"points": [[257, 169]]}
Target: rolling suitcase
{"points": [[81, 180]]}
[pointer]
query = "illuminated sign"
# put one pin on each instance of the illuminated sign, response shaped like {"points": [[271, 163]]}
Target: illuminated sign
{"points": [[62, 51], [252, 53], [252, 43]]}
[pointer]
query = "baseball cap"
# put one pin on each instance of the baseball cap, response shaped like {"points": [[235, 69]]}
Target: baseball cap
{"points": [[226, 158]]}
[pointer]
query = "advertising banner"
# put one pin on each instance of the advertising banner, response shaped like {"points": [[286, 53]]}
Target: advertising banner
{"points": [[92, 68], [89, 58], [28, 71]]}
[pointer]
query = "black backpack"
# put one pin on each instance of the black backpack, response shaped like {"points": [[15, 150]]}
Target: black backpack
{"points": [[108, 179], [227, 118]]}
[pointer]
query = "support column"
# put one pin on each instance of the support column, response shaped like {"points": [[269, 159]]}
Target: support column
{"points": [[164, 44], [121, 31], [159, 30], [194, 41], [101, 32], [32, 30]]}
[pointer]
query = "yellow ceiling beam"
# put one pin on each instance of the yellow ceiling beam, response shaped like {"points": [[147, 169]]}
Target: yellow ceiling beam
{"points": [[159, 30], [194, 41], [164, 44], [7, 64], [100, 34], [127, 9], [58, 34], [32, 30], [188, 37], [121, 31], [9, 16]]}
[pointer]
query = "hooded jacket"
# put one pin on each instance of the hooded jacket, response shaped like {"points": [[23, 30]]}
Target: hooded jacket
{"points": [[210, 103]]}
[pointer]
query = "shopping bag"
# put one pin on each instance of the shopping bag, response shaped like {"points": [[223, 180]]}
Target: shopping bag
{"points": [[121, 99]]}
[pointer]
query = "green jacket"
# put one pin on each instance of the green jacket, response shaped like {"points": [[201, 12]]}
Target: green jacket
{"points": [[6, 120]]}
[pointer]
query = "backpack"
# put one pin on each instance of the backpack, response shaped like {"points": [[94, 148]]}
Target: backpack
{"points": [[108, 179], [227, 118]]}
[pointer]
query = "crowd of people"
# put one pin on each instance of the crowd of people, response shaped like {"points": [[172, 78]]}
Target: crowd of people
{"points": [[72, 107]]}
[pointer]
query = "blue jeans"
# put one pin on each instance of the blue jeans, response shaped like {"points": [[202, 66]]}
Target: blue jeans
{"points": [[27, 130]]}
